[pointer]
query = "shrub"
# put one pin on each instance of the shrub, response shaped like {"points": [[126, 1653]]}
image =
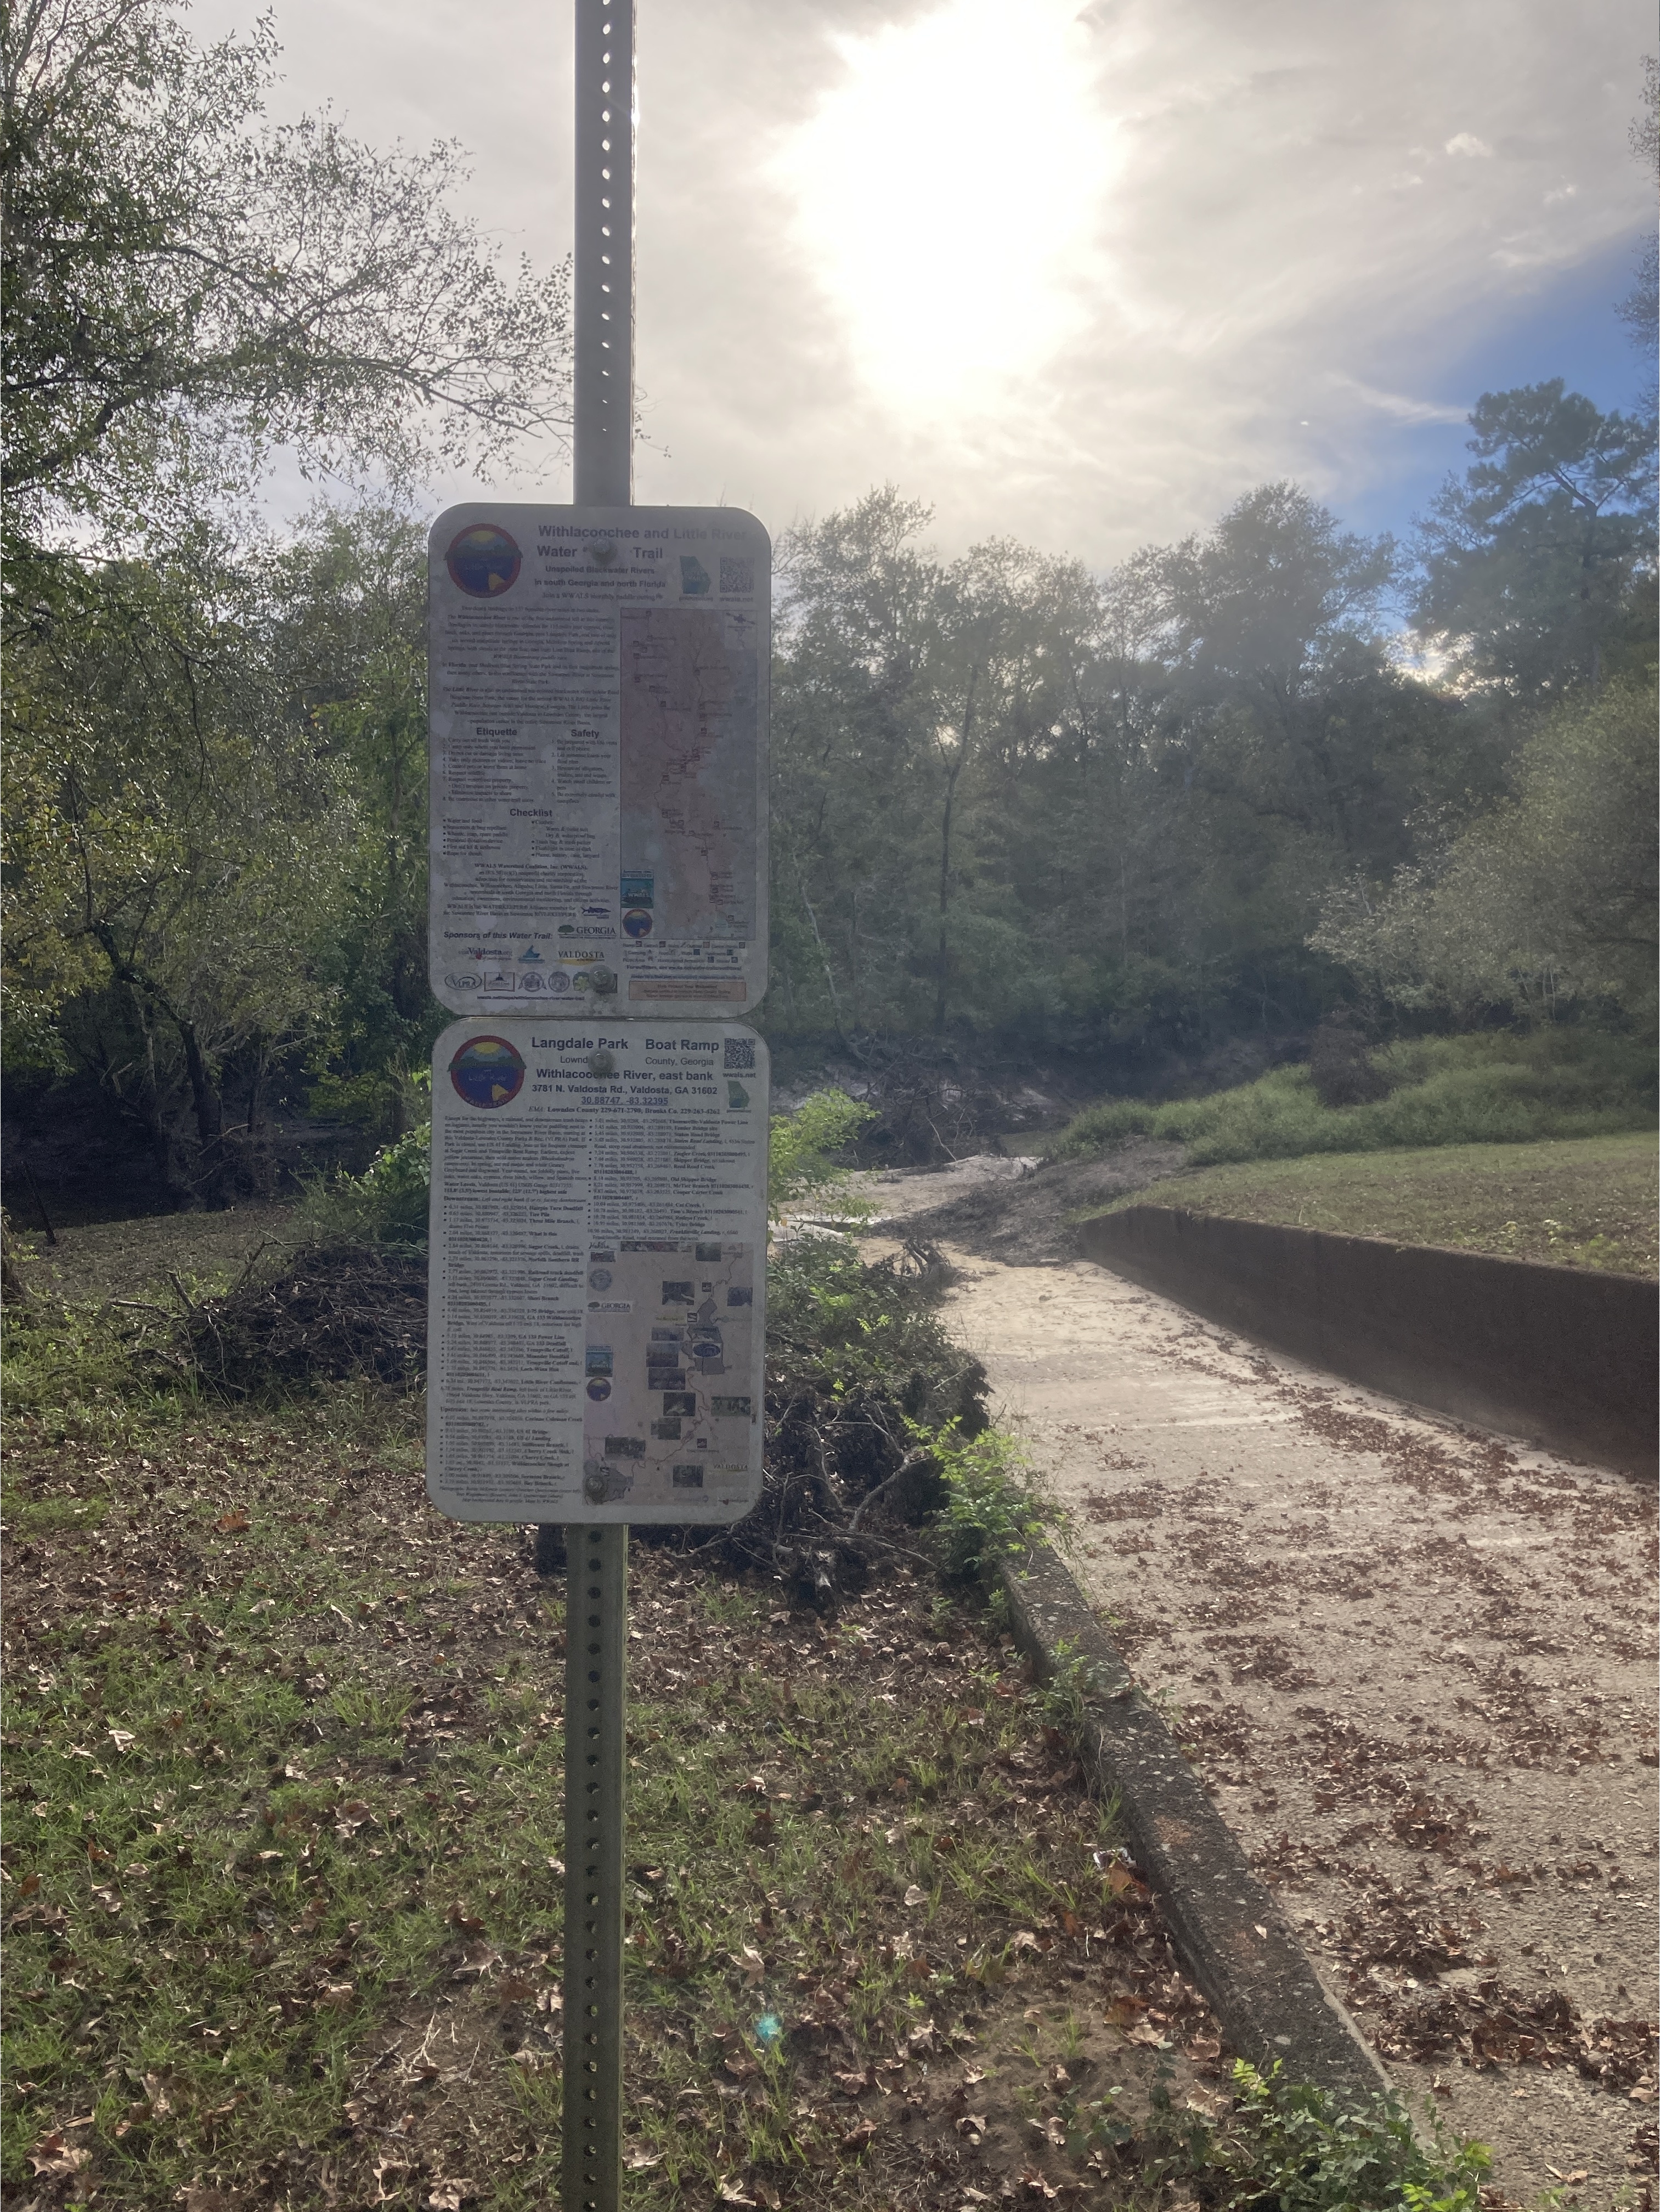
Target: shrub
{"points": [[993, 1510], [801, 1148], [1296, 2148], [385, 1204], [1495, 1088]]}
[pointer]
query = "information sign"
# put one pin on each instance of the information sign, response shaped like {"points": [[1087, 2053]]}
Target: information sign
{"points": [[598, 1272], [598, 702]]}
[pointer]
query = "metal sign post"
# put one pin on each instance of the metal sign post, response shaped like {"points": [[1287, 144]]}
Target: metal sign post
{"points": [[596, 1655], [598, 707], [603, 441], [596, 1587]]}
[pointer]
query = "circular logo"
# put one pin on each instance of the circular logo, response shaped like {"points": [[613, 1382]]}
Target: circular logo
{"points": [[600, 1280], [558, 981], [487, 1070], [484, 561], [637, 923], [530, 981], [598, 1389]]}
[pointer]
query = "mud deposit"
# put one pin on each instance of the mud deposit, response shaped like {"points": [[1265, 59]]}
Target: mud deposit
{"points": [[1415, 1666]]}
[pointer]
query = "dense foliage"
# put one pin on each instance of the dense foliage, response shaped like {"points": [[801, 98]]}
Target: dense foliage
{"points": [[1240, 780]]}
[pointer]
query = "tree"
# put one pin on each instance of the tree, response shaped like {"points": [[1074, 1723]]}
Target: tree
{"points": [[347, 612], [186, 290], [1538, 568], [1547, 899], [215, 752], [1009, 794], [169, 882], [1640, 308]]}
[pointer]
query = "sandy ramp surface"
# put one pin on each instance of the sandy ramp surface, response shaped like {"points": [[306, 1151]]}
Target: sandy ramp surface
{"points": [[1415, 1665]]}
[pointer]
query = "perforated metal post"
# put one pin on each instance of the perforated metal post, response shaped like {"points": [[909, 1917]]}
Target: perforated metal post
{"points": [[604, 398], [597, 1600], [596, 1657]]}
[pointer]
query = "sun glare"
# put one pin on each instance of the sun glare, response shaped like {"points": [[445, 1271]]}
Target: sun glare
{"points": [[947, 191]]}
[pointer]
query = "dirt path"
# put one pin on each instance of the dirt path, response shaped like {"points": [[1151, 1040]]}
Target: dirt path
{"points": [[1415, 1664]]}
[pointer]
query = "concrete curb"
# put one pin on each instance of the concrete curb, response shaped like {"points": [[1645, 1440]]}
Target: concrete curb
{"points": [[1564, 1357], [1231, 1935]]}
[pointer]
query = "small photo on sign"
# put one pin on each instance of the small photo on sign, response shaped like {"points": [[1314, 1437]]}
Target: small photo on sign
{"points": [[672, 1379]]}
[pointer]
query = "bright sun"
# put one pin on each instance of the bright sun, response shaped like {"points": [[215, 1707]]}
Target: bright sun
{"points": [[947, 191]]}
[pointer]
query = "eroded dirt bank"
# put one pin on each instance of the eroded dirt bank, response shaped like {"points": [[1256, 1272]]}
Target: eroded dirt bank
{"points": [[1414, 1663]]}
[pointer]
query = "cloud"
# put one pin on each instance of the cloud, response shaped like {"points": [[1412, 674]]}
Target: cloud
{"points": [[1395, 404], [1083, 277]]}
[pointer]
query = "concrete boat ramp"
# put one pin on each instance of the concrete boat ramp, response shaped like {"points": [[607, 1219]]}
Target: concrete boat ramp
{"points": [[1414, 1665]]}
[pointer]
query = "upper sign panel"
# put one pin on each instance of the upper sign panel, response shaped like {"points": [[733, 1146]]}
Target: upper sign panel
{"points": [[599, 704]]}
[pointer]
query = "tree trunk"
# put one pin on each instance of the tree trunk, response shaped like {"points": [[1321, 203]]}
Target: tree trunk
{"points": [[147, 1107], [943, 985]]}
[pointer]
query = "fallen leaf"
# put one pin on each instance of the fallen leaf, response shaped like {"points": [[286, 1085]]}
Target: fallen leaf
{"points": [[732, 2193], [449, 2196], [121, 1737], [642, 2161], [915, 1896], [52, 2157], [232, 1524], [856, 2138]]}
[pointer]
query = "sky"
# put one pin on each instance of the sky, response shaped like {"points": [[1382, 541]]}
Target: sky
{"points": [[1079, 276]]}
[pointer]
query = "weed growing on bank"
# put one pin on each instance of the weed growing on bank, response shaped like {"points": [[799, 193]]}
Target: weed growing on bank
{"points": [[1490, 1088]]}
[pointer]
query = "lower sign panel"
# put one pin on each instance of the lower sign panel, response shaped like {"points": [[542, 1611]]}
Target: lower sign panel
{"points": [[598, 1272]]}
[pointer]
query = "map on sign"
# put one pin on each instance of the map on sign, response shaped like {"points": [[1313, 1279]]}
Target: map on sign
{"points": [[670, 1399], [688, 785], [596, 1272], [599, 711]]}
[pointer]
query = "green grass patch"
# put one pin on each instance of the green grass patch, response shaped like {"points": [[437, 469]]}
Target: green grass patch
{"points": [[1588, 1203], [1496, 1088], [283, 1767]]}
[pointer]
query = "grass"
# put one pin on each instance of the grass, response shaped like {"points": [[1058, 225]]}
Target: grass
{"points": [[1498, 1088], [283, 1757], [1588, 1203], [283, 1872]]}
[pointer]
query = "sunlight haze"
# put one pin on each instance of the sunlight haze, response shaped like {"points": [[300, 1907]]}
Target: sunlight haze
{"points": [[1079, 276]]}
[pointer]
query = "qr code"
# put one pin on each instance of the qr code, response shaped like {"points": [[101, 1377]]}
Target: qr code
{"points": [[740, 1055], [737, 575]]}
